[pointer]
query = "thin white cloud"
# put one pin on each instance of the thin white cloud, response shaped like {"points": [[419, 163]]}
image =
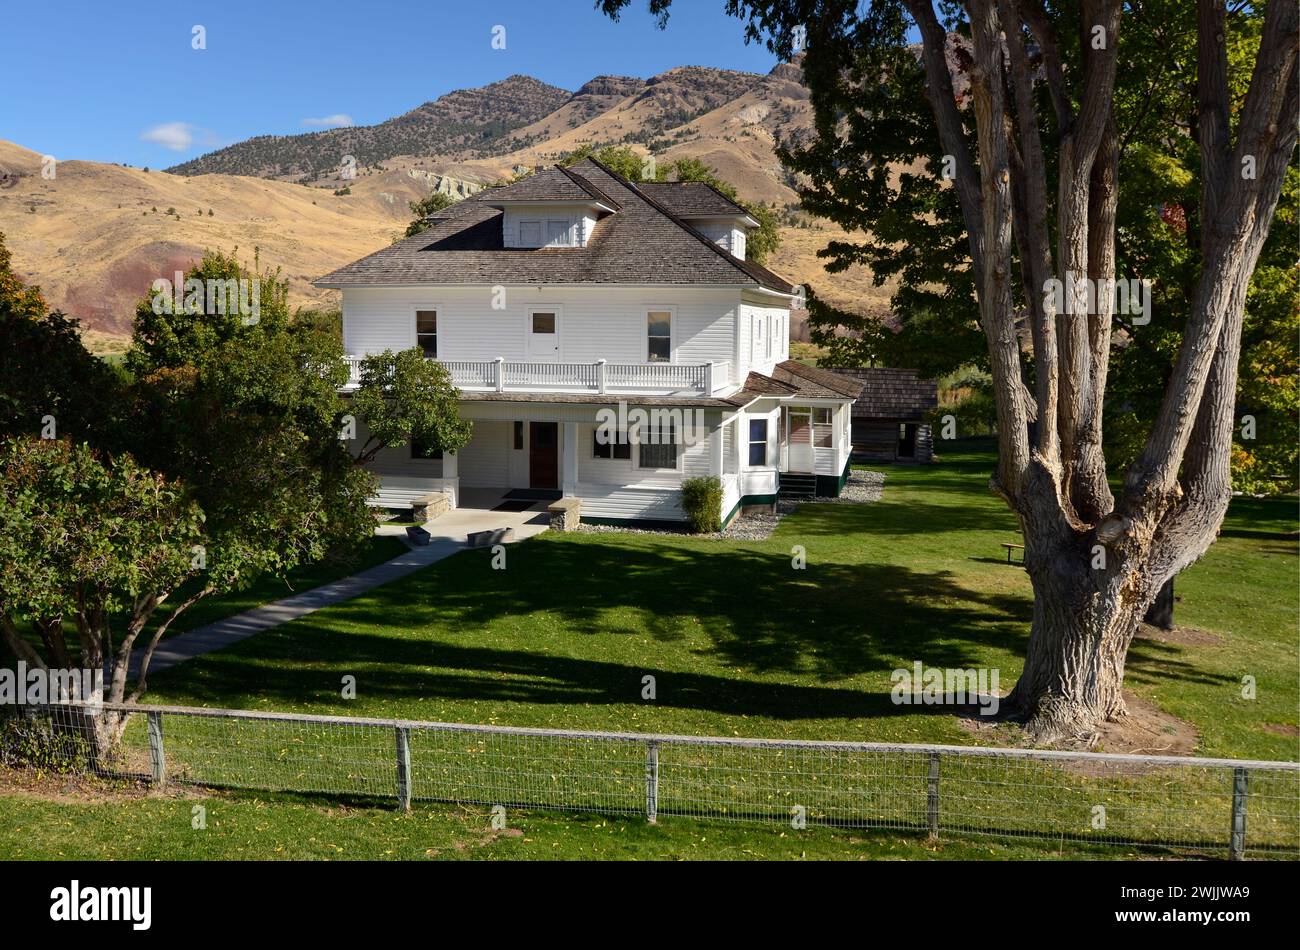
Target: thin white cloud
{"points": [[336, 121], [177, 136]]}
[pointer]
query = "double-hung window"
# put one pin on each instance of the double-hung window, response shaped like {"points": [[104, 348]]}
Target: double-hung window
{"points": [[659, 336], [757, 441], [659, 448], [426, 332]]}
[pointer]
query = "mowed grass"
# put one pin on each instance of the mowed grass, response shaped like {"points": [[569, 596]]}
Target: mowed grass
{"points": [[267, 589], [740, 642], [244, 827]]}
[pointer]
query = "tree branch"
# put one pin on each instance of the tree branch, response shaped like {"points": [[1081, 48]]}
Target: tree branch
{"points": [[995, 298], [1030, 228], [952, 136]]}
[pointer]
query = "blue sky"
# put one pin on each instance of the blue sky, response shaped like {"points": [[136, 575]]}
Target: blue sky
{"points": [[121, 82]]}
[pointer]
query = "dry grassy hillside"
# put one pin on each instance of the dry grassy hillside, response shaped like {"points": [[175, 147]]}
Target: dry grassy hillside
{"points": [[97, 235]]}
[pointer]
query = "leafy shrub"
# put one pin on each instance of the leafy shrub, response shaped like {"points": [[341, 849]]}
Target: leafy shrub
{"points": [[702, 501], [27, 742]]}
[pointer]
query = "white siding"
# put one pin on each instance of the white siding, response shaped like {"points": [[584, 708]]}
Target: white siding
{"points": [[723, 232], [596, 323], [485, 463], [773, 321]]}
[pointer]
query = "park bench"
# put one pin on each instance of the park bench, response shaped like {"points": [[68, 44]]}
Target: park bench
{"points": [[1011, 547]]}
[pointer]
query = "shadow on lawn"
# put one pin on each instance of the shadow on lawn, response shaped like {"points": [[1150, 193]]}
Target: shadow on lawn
{"points": [[759, 616]]}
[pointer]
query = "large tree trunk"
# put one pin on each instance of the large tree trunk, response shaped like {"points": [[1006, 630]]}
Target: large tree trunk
{"points": [[1083, 622]]}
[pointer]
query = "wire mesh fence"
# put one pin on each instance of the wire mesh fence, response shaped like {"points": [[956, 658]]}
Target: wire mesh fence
{"points": [[1232, 808]]}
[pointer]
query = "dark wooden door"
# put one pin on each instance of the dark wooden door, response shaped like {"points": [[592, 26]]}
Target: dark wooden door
{"points": [[543, 455]]}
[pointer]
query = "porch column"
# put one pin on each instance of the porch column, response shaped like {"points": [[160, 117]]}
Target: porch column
{"points": [[569, 465]]}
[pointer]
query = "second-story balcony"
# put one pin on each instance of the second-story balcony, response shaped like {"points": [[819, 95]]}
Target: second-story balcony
{"points": [[600, 377]]}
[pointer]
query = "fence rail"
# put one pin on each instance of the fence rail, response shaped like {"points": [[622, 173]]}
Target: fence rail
{"points": [[1231, 807]]}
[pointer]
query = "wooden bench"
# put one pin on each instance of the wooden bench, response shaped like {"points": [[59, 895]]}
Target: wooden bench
{"points": [[1011, 547]]}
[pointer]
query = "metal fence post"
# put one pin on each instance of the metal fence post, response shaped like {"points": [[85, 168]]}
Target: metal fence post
{"points": [[652, 781], [403, 768], [1237, 844], [932, 796], [157, 760]]}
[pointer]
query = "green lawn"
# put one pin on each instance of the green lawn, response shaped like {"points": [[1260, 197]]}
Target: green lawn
{"points": [[268, 589], [288, 828], [740, 643]]}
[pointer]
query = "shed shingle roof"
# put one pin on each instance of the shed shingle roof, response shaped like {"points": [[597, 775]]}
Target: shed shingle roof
{"points": [[892, 393], [641, 243]]}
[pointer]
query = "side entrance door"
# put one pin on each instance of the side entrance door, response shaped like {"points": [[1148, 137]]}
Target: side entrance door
{"points": [[543, 455], [799, 440]]}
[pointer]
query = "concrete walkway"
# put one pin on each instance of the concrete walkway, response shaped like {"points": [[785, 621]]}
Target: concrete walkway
{"points": [[449, 533]]}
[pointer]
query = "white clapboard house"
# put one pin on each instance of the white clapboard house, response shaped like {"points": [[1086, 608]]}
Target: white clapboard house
{"points": [[609, 340]]}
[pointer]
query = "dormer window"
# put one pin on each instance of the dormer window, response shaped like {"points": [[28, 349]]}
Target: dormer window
{"points": [[530, 234], [559, 233]]}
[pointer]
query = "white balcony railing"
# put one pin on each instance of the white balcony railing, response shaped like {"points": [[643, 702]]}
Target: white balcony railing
{"points": [[500, 375]]}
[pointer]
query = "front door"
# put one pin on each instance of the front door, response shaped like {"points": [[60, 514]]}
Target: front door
{"points": [[799, 440], [543, 336], [543, 455]]}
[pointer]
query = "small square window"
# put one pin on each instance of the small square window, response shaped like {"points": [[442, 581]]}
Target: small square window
{"points": [[530, 233], [543, 322]]}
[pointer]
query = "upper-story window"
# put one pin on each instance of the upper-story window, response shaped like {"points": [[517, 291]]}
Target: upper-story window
{"points": [[426, 332], [530, 233], [659, 336]]}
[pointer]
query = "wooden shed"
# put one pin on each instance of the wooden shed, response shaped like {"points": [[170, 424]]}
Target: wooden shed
{"points": [[889, 417]]}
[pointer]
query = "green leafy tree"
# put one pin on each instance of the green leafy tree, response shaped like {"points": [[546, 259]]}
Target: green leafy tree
{"points": [[432, 202], [47, 377], [619, 158], [403, 397], [91, 544], [220, 300]]}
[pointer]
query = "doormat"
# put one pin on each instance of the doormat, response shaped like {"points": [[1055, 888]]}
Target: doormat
{"points": [[515, 504], [534, 494]]}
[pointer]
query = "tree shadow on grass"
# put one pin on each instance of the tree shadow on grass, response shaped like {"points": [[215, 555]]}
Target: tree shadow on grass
{"points": [[568, 601]]}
